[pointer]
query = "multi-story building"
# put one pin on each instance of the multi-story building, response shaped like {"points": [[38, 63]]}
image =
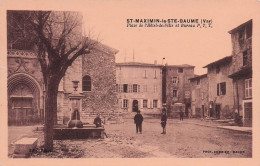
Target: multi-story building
{"points": [[176, 90], [241, 71], [229, 80], [149, 86], [200, 97], [220, 88], [139, 87]]}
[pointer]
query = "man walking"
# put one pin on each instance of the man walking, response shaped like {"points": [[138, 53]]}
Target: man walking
{"points": [[138, 121]]}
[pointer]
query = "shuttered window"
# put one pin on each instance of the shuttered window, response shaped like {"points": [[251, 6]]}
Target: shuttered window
{"points": [[248, 88]]}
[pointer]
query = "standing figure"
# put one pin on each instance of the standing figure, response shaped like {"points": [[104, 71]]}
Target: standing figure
{"points": [[181, 114], [163, 121], [138, 121]]}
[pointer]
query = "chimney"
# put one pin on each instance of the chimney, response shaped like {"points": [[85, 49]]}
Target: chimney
{"points": [[155, 62]]}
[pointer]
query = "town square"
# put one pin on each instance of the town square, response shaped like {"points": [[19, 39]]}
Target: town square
{"points": [[176, 89]]}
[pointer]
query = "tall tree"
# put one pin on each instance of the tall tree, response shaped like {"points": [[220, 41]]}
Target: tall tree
{"points": [[57, 38]]}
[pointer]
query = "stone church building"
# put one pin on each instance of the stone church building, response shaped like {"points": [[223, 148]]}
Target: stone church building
{"points": [[95, 72]]}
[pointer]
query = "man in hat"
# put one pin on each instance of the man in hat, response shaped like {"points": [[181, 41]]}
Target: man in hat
{"points": [[138, 121]]}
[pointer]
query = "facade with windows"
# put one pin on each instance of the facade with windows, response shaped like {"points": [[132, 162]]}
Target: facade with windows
{"points": [[230, 80], [241, 72], [220, 95], [176, 89], [199, 96], [139, 87]]}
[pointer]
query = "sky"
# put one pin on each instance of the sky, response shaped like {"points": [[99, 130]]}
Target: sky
{"points": [[107, 21]]}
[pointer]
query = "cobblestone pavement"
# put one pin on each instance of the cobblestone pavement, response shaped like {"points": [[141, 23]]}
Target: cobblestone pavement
{"points": [[183, 139]]}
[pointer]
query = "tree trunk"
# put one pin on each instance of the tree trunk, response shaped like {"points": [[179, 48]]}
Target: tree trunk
{"points": [[50, 107]]}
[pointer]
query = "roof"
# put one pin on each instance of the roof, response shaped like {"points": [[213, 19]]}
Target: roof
{"points": [[240, 26], [224, 60], [153, 65], [183, 65], [104, 48], [198, 77], [137, 64], [242, 73]]}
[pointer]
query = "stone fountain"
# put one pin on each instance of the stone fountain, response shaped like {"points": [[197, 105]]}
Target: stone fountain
{"points": [[75, 104], [75, 128]]}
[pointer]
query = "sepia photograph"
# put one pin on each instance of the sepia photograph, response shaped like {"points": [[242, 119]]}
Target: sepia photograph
{"points": [[130, 80]]}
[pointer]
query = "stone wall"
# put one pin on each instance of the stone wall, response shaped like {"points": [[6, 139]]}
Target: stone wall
{"points": [[24, 71], [24, 62], [240, 45], [102, 98]]}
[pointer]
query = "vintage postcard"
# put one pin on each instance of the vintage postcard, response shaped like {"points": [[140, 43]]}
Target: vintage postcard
{"points": [[130, 82]]}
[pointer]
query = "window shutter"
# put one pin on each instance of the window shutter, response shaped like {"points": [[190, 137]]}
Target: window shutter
{"points": [[218, 89], [224, 88], [122, 103], [148, 103], [151, 103]]}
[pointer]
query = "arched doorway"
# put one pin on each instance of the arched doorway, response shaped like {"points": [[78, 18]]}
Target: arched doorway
{"points": [[135, 105], [24, 100]]}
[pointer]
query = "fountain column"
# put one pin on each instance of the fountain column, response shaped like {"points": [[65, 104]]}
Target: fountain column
{"points": [[75, 107]]}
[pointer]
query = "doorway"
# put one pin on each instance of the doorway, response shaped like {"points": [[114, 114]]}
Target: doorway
{"points": [[188, 109], [203, 111], [248, 114], [21, 110], [135, 106], [218, 111]]}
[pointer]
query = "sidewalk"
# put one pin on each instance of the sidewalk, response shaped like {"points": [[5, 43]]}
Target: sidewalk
{"points": [[223, 124]]}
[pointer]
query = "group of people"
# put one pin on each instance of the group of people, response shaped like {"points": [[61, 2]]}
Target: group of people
{"points": [[138, 119]]}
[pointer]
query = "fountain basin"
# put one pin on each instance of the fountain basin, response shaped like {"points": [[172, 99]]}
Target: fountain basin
{"points": [[62, 132]]}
